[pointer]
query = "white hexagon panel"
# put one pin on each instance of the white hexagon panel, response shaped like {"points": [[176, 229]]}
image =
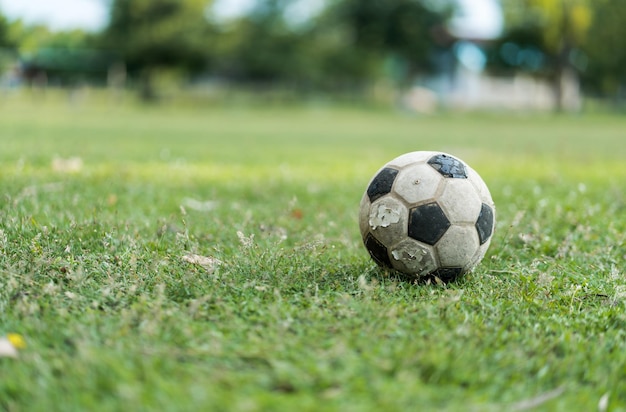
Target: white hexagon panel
{"points": [[460, 201], [478, 256], [457, 246], [481, 187], [417, 183]]}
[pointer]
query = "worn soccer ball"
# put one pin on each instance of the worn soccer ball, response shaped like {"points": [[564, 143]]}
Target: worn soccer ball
{"points": [[427, 214]]}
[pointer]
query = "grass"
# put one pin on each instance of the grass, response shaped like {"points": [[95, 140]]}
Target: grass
{"points": [[95, 270]]}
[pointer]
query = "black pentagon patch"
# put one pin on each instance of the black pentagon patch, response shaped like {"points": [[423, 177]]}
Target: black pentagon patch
{"points": [[484, 224], [427, 223], [382, 183], [377, 250], [448, 274], [448, 166]]}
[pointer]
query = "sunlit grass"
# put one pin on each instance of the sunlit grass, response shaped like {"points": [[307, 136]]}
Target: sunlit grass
{"points": [[94, 274]]}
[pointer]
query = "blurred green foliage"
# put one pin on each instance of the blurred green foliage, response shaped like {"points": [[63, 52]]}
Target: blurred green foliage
{"points": [[347, 45], [552, 36], [605, 50], [4, 32], [152, 34]]}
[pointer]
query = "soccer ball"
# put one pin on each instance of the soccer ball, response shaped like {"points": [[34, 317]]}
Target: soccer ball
{"points": [[427, 214]]}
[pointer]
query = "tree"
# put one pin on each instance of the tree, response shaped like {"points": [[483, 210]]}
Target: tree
{"points": [[343, 47], [604, 48], [154, 34], [269, 47], [4, 32], [404, 30], [6, 45], [62, 57], [260, 47], [558, 28]]}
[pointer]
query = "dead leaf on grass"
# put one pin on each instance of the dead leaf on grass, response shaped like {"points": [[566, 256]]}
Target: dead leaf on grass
{"points": [[246, 241], [199, 205], [112, 199], [297, 213], [207, 262], [68, 165]]}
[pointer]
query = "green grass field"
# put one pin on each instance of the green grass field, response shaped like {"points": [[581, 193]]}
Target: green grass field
{"points": [[97, 270]]}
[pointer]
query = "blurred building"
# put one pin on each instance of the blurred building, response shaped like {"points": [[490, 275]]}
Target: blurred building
{"points": [[462, 81]]}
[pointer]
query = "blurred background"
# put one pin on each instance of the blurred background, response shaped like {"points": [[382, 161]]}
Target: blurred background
{"points": [[421, 55]]}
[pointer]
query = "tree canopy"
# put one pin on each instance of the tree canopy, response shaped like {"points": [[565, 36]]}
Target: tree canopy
{"points": [[548, 36], [604, 49], [403, 30], [151, 34], [345, 44], [4, 32]]}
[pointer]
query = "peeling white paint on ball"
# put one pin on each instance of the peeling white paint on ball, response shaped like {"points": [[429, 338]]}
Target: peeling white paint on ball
{"points": [[407, 253], [414, 257], [383, 215]]}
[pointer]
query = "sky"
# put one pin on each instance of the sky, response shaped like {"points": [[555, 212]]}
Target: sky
{"points": [[92, 15], [476, 19], [58, 14], [89, 15]]}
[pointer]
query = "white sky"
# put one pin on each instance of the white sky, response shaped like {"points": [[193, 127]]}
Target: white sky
{"points": [[58, 14], [90, 14], [477, 18], [229, 9]]}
